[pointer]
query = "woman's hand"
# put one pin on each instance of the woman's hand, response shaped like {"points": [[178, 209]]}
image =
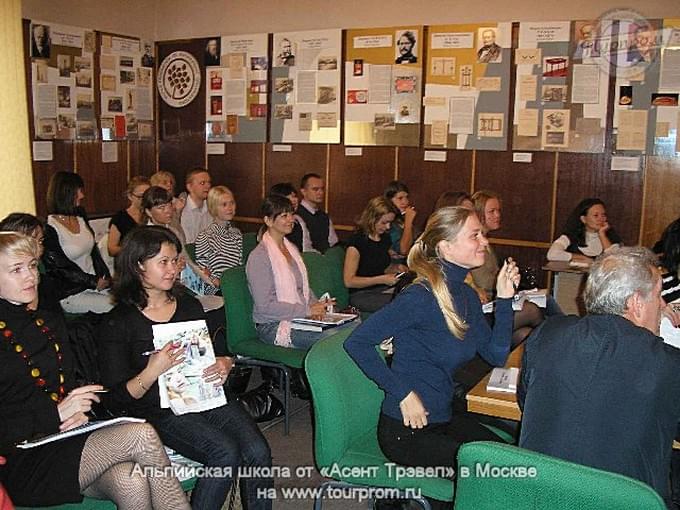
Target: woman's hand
{"points": [[672, 313], [162, 361], [483, 298], [73, 408], [410, 214], [219, 371], [577, 257], [317, 310], [413, 411], [103, 283], [388, 279], [397, 268], [603, 229], [507, 280]]}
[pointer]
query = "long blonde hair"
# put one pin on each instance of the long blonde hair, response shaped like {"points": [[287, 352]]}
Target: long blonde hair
{"points": [[425, 259]]}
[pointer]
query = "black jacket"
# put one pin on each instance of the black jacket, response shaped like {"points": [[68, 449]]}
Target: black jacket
{"points": [[69, 278], [602, 392]]}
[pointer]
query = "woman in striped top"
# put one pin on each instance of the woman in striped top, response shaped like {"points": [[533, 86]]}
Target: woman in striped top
{"points": [[220, 246]]}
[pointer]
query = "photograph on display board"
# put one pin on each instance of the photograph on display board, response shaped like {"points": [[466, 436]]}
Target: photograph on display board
{"points": [[211, 54], [41, 41], [489, 51], [406, 41], [286, 54]]}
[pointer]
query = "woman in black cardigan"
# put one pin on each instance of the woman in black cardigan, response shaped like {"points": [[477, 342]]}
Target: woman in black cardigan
{"points": [[71, 255], [38, 397]]}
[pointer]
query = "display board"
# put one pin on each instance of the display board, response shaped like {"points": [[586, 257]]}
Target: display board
{"points": [[383, 85], [305, 85], [561, 88], [467, 89], [647, 86], [236, 90], [62, 65], [127, 88]]}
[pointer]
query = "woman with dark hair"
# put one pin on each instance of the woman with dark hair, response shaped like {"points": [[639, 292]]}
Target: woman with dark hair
{"points": [[454, 198], [368, 271], [437, 325], [402, 231], [123, 221], [38, 396], [278, 282], [31, 226], [585, 235], [71, 255], [297, 236], [225, 437], [669, 260]]}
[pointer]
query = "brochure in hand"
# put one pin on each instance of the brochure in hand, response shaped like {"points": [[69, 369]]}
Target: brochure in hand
{"points": [[183, 388], [330, 320]]}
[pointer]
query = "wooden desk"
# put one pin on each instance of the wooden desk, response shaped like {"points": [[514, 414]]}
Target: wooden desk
{"points": [[495, 403], [567, 286], [502, 405]]}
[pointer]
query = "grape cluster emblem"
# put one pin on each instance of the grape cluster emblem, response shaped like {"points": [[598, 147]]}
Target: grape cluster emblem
{"points": [[179, 79]]}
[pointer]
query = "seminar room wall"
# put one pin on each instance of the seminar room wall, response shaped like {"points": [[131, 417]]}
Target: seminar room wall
{"points": [[537, 197]]}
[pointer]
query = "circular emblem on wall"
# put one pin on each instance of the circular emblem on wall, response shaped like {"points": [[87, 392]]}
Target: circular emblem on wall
{"points": [[179, 79]]}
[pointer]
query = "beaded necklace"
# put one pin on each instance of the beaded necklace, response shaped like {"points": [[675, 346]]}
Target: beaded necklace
{"points": [[35, 372]]}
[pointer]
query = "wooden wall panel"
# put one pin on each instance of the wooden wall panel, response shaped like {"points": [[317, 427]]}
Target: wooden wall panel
{"points": [[142, 158], [525, 190], [105, 183], [354, 180], [662, 204], [526, 258], [427, 180], [588, 175], [241, 170], [182, 130], [291, 166]]}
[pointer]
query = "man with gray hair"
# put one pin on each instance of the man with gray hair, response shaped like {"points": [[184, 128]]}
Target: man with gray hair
{"points": [[604, 390]]}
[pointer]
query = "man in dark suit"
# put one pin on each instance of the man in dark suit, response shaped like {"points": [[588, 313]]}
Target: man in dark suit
{"points": [[40, 41], [604, 390]]}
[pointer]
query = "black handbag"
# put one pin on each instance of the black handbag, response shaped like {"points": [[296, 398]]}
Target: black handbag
{"points": [[261, 404]]}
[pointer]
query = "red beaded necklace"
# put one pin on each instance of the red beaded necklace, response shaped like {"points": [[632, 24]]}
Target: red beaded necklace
{"points": [[35, 372]]}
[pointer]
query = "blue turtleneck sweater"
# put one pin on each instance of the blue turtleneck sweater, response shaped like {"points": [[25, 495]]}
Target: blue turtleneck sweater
{"points": [[426, 354]]}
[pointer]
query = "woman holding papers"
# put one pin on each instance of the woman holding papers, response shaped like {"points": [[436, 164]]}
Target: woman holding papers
{"points": [[585, 235], [224, 438], [368, 271], [278, 282], [437, 326], [38, 396]]}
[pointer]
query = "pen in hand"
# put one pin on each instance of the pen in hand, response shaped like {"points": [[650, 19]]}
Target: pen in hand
{"points": [[149, 353]]}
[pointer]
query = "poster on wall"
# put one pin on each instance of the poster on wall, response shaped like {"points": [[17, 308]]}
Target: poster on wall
{"points": [[306, 88], [647, 85], [236, 88], [561, 87], [127, 88], [383, 85], [467, 87], [62, 69]]}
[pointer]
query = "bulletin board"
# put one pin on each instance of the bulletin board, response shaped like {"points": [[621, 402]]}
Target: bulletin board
{"points": [[237, 89], [127, 88], [305, 85], [467, 89], [647, 86], [63, 77], [561, 89], [383, 85]]}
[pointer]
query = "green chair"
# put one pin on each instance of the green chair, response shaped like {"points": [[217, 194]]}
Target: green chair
{"points": [[325, 275], [555, 484], [242, 339], [249, 243], [346, 411], [191, 250]]}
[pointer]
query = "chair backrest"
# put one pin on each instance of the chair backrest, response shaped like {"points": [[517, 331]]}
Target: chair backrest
{"points": [[191, 250], [238, 306], [249, 244], [346, 402], [555, 484], [325, 275]]}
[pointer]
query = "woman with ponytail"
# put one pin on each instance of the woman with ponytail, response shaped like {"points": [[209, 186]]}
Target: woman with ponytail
{"points": [[437, 326]]}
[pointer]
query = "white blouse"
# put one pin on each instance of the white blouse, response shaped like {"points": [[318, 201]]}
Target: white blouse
{"points": [[77, 247], [558, 249]]}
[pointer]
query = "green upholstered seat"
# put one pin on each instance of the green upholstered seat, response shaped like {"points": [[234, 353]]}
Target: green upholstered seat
{"points": [[557, 484], [191, 250], [346, 410], [249, 243], [325, 275]]}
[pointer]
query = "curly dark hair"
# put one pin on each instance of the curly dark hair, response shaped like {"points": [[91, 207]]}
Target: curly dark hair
{"points": [[139, 245]]}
